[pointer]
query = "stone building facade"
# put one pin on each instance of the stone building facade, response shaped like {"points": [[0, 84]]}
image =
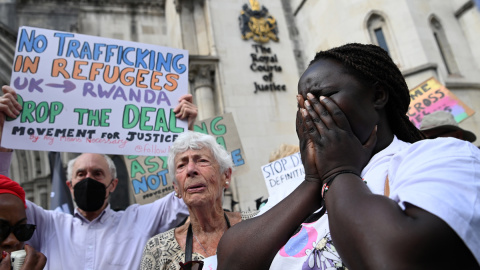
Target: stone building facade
{"points": [[256, 80]]}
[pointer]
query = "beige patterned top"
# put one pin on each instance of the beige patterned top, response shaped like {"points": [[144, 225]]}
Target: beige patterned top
{"points": [[162, 252]]}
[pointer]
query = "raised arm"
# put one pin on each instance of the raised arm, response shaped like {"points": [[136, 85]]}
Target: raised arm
{"points": [[253, 243], [11, 108], [186, 110], [8, 107]]}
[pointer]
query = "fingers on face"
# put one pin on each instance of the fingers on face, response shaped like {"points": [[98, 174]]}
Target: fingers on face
{"points": [[320, 116], [338, 117], [308, 128], [317, 112], [300, 101], [299, 120], [326, 113]]}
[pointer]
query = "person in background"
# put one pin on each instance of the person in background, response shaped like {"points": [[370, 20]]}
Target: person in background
{"points": [[393, 200], [201, 170], [284, 150], [14, 230], [96, 237], [443, 124]]}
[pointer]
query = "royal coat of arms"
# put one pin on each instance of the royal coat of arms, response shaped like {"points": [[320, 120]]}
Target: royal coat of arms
{"points": [[257, 23]]}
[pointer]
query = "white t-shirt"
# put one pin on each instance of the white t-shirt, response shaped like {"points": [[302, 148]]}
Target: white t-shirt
{"points": [[441, 176]]}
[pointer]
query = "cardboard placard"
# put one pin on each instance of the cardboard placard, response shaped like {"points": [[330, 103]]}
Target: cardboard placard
{"points": [[149, 174], [90, 94], [431, 96], [282, 176]]}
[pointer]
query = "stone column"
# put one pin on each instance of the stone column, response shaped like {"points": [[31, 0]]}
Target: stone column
{"points": [[202, 82]]}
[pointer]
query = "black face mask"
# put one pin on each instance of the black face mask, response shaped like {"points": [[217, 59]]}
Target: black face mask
{"points": [[90, 194]]}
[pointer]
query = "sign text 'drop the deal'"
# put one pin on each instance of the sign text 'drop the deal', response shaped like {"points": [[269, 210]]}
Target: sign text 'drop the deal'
{"points": [[84, 93]]}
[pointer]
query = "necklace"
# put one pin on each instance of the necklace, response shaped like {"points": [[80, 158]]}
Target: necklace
{"points": [[189, 240], [208, 255]]}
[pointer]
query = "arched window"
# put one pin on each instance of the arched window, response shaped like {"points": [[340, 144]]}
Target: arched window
{"points": [[443, 46], [377, 27], [381, 35]]}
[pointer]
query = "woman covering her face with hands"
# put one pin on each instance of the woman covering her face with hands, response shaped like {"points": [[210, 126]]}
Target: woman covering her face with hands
{"points": [[376, 195]]}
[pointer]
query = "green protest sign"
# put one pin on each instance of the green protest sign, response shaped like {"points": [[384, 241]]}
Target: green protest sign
{"points": [[149, 174]]}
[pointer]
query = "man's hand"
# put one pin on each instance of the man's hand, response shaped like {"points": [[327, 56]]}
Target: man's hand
{"points": [[9, 106], [186, 110]]}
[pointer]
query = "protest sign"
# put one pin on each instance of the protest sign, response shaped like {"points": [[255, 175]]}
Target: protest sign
{"points": [[149, 174], [224, 129], [148, 177], [90, 94], [282, 176], [431, 96]]}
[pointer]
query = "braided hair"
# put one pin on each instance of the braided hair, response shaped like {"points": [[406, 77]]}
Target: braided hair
{"points": [[371, 64]]}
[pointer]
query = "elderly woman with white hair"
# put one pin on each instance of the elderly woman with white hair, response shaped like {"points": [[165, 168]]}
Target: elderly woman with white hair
{"points": [[201, 170]]}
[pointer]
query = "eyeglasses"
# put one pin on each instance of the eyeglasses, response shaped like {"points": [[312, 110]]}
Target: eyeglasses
{"points": [[22, 232], [191, 265]]}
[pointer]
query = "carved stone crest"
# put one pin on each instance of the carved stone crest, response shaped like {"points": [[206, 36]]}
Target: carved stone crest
{"points": [[257, 23]]}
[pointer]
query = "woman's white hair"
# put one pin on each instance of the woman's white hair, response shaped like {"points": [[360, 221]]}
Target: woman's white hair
{"points": [[192, 140], [111, 167]]}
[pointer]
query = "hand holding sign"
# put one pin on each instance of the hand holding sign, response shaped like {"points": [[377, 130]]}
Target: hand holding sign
{"points": [[9, 107], [92, 94], [186, 110]]}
